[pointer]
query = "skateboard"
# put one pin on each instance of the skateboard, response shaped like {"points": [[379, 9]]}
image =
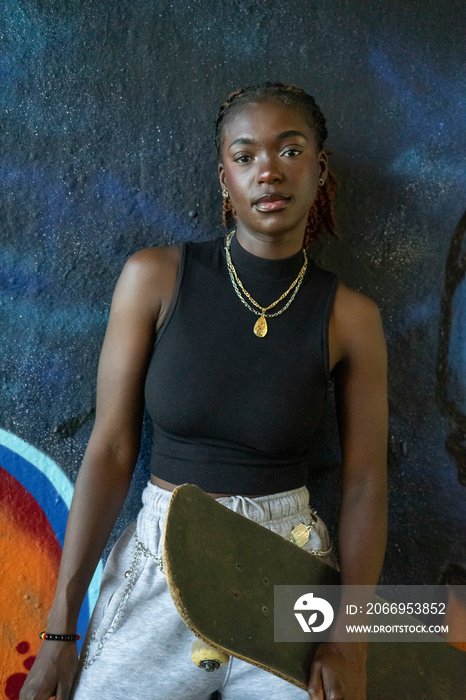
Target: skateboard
{"points": [[221, 569]]}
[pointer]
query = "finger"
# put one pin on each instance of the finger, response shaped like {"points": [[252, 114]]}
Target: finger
{"points": [[315, 688], [30, 693], [333, 688], [63, 690]]}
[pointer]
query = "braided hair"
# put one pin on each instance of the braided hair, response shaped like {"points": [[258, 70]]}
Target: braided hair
{"points": [[322, 213]]}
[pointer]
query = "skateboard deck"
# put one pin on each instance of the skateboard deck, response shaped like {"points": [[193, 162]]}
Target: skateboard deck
{"points": [[221, 569]]}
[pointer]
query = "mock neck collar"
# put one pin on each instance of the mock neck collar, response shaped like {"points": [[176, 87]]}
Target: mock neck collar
{"points": [[264, 268]]}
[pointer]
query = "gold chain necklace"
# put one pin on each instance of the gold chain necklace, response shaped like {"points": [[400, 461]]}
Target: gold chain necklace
{"points": [[260, 326]]}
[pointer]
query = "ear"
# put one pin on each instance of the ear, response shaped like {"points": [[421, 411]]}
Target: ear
{"points": [[221, 176], [323, 164]]}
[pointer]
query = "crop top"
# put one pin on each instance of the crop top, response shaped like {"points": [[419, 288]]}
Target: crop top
{"points": [[232, 412]]}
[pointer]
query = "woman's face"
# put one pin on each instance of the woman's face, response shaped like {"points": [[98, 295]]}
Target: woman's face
{"points": [[271, 168]]}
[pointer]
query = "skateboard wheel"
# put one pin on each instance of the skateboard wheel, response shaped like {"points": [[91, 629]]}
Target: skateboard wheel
{"points": [[206, 657]]}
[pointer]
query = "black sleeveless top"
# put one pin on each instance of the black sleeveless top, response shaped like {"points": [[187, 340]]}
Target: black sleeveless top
{"points": [[231, 412]]}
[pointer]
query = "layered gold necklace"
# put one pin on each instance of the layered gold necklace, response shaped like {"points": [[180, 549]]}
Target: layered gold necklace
{"points": [[260, 326]]}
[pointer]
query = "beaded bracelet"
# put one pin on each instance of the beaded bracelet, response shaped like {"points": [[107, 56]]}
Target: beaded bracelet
{"points": [[59, 637]]}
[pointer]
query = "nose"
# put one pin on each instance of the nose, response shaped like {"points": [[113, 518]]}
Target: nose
{"points": [[269, 170]]}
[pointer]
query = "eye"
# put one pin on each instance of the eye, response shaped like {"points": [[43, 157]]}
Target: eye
{"points": [[242, 158], [292, 152]]}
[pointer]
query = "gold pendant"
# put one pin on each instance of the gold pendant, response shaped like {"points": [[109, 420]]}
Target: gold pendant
{"points": [[260, 327], [300, 535]]}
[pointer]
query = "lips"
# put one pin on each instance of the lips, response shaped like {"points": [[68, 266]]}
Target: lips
{"points": [[271, 202]]}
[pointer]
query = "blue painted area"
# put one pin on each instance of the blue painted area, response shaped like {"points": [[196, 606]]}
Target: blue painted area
{"points": [[415, 315], [73, 320], [418, 163], [40, 487], [432, 107], [457, 350], [19, 280]]}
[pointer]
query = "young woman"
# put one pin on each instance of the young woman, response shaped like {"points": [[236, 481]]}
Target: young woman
{"points": [[247, 331]]}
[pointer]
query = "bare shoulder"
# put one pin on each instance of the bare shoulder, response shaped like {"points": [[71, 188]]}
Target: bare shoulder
{"points": [[148, 280], [356, 324], [159, 261], [352, 307]]}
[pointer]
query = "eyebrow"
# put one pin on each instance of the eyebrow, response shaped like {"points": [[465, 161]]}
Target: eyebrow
{"points": [[283, 135]]}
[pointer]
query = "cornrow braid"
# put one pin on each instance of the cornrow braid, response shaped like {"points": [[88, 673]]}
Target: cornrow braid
{"points": [[321, 214]]}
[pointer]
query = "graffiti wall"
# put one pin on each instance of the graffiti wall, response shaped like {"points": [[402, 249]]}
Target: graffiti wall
{"points": [[106, 128], [35, 497]]}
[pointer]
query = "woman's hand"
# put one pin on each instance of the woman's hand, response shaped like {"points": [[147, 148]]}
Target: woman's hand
{"points": [[52, 673], [338, 672]]}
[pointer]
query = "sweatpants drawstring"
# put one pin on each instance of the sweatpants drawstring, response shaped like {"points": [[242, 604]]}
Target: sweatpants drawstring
{"points": [[238, 504]]}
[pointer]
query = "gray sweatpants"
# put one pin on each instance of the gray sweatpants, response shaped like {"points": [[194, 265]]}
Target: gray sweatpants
{"points": [[137, 645]]}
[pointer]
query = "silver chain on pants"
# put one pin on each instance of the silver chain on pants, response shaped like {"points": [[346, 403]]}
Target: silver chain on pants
{"points": [[131, 575]]}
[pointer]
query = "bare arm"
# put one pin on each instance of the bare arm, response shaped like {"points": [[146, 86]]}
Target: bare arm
{"points": [[361, 399], [140, 301]]}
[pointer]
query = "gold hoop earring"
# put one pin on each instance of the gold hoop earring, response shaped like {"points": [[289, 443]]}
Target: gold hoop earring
{"points": [[225, 193], [321, 182]]}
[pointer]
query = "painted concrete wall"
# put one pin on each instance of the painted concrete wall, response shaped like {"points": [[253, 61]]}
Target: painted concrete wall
{"points": [[106, 123]]}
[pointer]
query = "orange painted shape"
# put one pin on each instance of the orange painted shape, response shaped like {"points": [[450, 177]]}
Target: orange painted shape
{"points": [[29, 562]]}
